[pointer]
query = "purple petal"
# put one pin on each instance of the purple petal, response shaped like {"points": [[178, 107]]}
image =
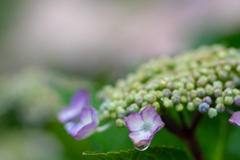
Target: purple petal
{"points": [[86, 131], [69, 114], [235, 118], [148, 114], [80, 99], [157, 124], [75, 129], [88, 115], [140, 138], [87, 126], [134, 122]]}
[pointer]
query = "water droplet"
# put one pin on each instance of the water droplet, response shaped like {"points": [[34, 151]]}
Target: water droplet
{"points": [[143, 148]]}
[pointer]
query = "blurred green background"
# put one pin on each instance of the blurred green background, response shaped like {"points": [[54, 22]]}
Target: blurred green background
{"points": [[40, 70]]}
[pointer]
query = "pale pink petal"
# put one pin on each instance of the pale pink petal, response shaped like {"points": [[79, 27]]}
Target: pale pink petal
{"points": [[235, 118], [134, 122], [148, 114], [141, 138], [157, 124]]}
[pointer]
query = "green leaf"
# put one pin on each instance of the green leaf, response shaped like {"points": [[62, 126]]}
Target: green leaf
{"points": [[154, 152]]}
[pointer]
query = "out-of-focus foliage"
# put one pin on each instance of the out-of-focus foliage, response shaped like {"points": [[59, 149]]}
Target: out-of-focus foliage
{"points": [[30, 145]]}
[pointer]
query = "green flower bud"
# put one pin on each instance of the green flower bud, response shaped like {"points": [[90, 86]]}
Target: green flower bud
{"points": [[212, 112], [190, 106], [179, 107], [219, 100], [220, 107], [156, 105], [113, 115], [167, 103], [116, 96], [153, 92], [236, 81], [212, 78], [166, 93], [130, 99], [105, 114], [223, 75], [183, 91], [162, 84], [142, 92], [170, 85], [139, 101], [133, 108], [217, 85], [103, 106], [145, 104], [179, 85], [159, 94], [227, 68], [120, 123], [236, 92], [230, 84], [201, 92], [197, 101], [141, 109], [209, 90], [202, 81], [111, 106], [190, 86], [238, 68], [176, 99], [228, 92], [196, 74], [151, 86], [217, 92], [193, 94], [150, 98], [121, 113], [184, 99], [228, 100], [176, 92]]}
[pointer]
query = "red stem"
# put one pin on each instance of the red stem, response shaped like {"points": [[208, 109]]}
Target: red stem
{"points": [[185, 133]]}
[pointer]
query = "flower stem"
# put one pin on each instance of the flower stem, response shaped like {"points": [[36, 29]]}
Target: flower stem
{"points": [[186, 133], [229, 111], [104, 127]]}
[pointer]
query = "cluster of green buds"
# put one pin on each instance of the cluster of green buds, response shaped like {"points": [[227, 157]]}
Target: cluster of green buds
{"points": [[205, 79]]}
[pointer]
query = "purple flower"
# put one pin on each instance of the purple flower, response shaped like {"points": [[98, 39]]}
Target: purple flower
{"points": [[235, 118], [79, 101], [143, 126], [87, 126], [80, 120]]}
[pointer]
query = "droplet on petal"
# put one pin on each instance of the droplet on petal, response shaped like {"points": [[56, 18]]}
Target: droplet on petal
{"points": [[143, 147]]}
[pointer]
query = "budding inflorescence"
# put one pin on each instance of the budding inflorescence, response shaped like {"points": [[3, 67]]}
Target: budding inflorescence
{"points": [[204, 80]]}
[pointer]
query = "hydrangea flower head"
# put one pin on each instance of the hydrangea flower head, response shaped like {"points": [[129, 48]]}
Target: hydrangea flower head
{"points": [[235, 118], [143, 126]]}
